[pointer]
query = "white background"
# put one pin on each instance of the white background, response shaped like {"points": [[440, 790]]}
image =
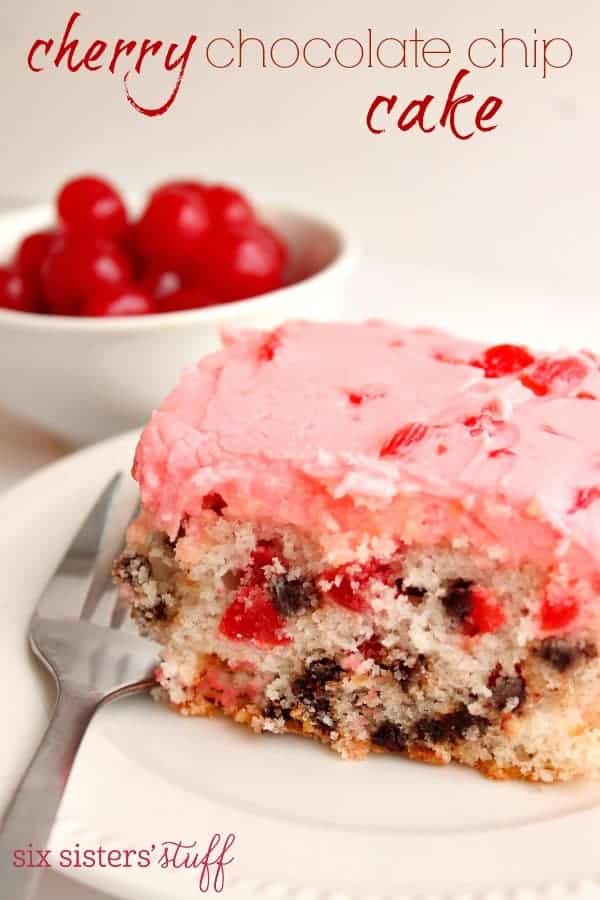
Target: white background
{"points": [[522, 200]]}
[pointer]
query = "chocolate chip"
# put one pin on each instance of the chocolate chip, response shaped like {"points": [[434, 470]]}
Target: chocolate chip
{"points": [[291, 597], [214, 502], [160, 611], [561, 654], [310, 690], [462, 721], [314, 701], [508, 688], [275, 710], [401, 671], [304, 689], [449, 727], [457, 598], [432, 730], [320, 707], [157, 613], [148, 615], [405, 672], [135, 570], [315, 678], [390, 736], [414, 594], [324, 670]]}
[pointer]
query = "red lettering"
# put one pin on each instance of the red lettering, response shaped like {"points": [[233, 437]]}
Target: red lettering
{"points": [[487, 111], [451, 105], [67, 48], [389, 102], [417, 113], [34, 48], [122, 46], [170, 63], [93, 53], [73, 54], [417, 108], [148, 46]]}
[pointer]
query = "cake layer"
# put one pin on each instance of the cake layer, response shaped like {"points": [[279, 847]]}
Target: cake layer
{"points": [[387, 539], [356, 431], [432, 653]]}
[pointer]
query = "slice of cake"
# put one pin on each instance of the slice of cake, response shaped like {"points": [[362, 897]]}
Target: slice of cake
{"points": [[386, 539]]}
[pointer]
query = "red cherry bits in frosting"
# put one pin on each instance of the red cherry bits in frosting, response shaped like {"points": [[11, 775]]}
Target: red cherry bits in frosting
{"points": [[392, 541], [404, 437], [555, 376], [505, 359], [324, 425]]}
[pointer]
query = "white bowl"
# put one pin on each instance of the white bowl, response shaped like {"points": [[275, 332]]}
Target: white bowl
{"points": [[85, 379]]}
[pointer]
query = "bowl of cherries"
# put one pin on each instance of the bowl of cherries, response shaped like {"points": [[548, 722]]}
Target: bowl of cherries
{"points": [[103, 300]]}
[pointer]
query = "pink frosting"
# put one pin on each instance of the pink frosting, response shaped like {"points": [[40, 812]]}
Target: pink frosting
{"points": [[354, 429]]}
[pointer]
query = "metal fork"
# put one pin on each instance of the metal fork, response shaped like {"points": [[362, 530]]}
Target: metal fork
{"points": [[92, 662]]}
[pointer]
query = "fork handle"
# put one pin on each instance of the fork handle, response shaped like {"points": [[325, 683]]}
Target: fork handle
{"points": [[29, 818]]}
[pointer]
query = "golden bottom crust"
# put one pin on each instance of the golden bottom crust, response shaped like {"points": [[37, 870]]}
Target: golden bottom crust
{"points": [[299, 725]]}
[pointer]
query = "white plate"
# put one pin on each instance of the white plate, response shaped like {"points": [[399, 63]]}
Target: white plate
{"points": [[307, 825]]}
